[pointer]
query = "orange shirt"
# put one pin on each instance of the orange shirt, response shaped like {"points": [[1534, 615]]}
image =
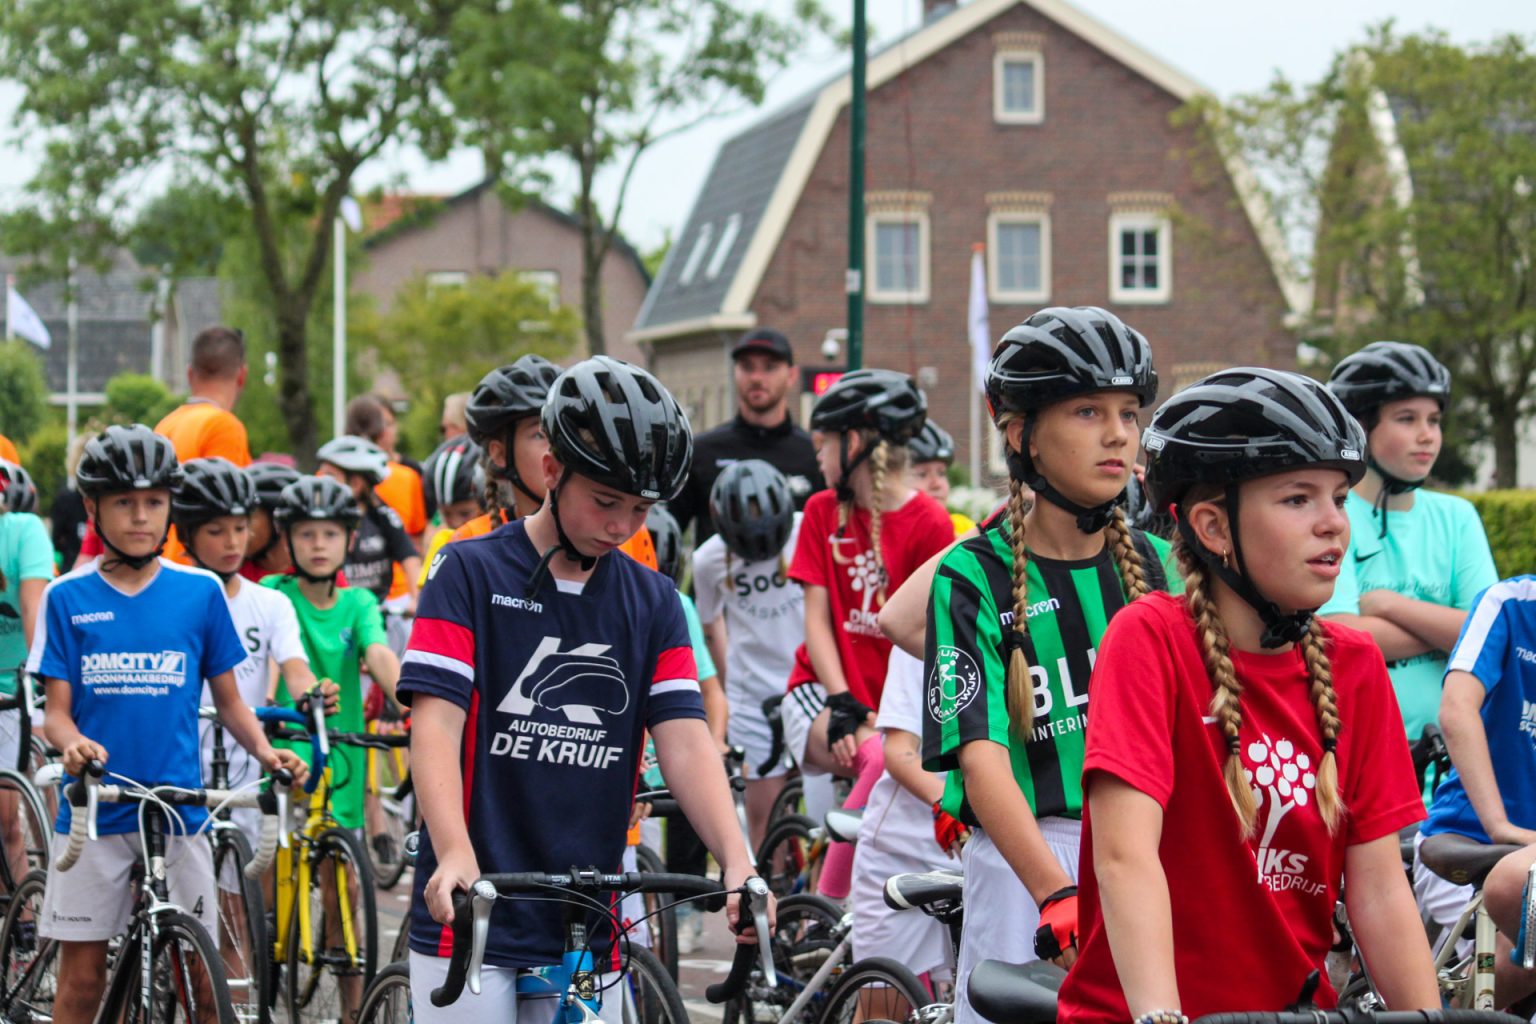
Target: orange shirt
{"points": [[8, 451], [401, 491], [199, 429], [639, 547]]}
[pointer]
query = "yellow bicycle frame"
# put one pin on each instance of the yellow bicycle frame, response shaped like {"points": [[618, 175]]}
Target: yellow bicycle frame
{"points": [[296, 880]]}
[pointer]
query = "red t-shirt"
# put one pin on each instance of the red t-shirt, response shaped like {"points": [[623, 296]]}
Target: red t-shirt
{"points": [[1251, 918], [909, 536]]}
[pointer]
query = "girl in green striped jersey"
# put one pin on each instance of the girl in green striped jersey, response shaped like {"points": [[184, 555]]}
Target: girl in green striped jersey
{"points": [[1015, 617]]}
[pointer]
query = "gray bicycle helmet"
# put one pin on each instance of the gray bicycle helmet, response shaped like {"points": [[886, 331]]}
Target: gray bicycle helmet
{"points": [[356, 455], [752, 509], [317, 499], [270, 479], [211, 488], [18, 492], [131, 458], [667, 539], [932, 444], [450, 474], [1388, 371]]}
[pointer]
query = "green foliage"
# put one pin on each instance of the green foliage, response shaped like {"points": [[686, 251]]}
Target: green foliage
{"points": [[442, 340], [138, 398], [654, 258], [44, 456], [183, 230], [23, 390], [1507, 518]]}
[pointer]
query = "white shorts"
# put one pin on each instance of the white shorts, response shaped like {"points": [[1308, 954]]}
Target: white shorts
{"points": [[799, 710], [1000, 915], [91, 902], [907, 936], [748, 729], [498, 1001], [10, 738], [1439, 899]]}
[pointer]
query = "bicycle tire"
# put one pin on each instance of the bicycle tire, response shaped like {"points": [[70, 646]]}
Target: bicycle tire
{"points": [[242, 926], [315, 991], [388, 998], [401, 951], [650, 995], [388, 864], [788, 802], [182, 948], [32, 815], [785, 859], [28, 962], [806, 934], [895, 991], [661, 912]]}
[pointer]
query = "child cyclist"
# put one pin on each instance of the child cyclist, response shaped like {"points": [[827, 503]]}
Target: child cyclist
{"points": [[1417, 558], [1245, 759], [534, 632], [266, 554], [1015, 618], [929, 456], [123, 645], [753, 615], [859, 540], [379, 541]]}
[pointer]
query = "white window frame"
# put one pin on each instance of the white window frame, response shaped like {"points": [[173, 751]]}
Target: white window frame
{"points": [[446, 279], [1163, 293], [998, 218], [1000, 112], [696, 255], [872, 291], [723, 247], [547, 281]]}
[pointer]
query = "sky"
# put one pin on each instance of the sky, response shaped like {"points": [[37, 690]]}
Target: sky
{"points": [[1230, 46]]}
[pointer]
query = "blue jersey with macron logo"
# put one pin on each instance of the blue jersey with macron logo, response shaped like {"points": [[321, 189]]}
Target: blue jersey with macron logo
{"points": [[135, 665], [1498, 646]]}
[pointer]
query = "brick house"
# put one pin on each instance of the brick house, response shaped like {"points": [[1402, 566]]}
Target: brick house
{"points": [[474, 232], [1021, 124]]}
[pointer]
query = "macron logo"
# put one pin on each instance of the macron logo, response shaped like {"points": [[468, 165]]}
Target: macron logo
{"points": [[82, 619], [516, 603]]}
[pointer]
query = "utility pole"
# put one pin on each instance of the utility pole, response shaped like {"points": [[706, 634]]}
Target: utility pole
{"points": [[854, 281]]}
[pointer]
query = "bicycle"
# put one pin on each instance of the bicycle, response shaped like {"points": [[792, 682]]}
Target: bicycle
{"points": [[26, 824], [166, 965], [648, 994], [391, 800]]}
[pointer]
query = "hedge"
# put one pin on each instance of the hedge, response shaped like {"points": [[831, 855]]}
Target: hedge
{"points": [[1509, 517]]}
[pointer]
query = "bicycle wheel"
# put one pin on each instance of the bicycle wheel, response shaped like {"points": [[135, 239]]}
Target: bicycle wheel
{"points": [[327, 984], [788, 802], [388, 999], [242, 925], [401, 951], [32, 827], [649, 993], [809, 931], [876, 988], [661, 914], [28, 962], [386, 841], [785, 857], [186, 976]]}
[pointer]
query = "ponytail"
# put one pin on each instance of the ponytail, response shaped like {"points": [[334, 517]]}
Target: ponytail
{"points": [[1021, 690]]}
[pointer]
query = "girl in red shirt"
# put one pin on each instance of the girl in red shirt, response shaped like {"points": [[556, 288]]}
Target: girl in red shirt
{"points": [[1244, 758], [858, 541]]}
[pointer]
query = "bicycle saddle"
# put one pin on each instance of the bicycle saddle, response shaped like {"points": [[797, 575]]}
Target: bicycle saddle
{"points": [[1015, 993], [918, 890], [1405, 838], [1462, 860], [843, 826]]}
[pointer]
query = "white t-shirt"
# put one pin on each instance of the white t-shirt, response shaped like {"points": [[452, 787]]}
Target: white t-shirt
{"points": [[269, 630], [894, 819], [764, 612]]}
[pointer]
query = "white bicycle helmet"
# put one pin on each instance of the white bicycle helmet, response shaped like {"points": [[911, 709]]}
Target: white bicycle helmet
{"points": [[356, 455]]}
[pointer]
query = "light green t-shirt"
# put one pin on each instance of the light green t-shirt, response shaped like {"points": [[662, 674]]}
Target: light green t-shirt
{"points": [[1436, 552], [701, 659], [26, 553], [335, 639]]}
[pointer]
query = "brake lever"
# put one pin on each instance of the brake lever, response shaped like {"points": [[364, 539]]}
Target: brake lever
{"points": [[759, 890], [481, 901]]}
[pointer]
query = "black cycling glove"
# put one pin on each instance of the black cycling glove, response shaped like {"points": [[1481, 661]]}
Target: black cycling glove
{"points": [[847, 714]]}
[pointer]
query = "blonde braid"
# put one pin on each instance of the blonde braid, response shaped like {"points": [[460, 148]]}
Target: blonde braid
{"points": [[491, 496], [1313, 652], [1021, 691], [877, 480], [1132, 574], [1225, 706]]}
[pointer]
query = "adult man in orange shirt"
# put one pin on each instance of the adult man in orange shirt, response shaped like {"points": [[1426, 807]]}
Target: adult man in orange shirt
{"points": [[205, 425], [8, 451]]}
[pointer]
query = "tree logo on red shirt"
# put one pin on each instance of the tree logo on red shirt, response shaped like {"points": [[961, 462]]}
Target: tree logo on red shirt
{"points": [[955, 682], [1283, 779]]}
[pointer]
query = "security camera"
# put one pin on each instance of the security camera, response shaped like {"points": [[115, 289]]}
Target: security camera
{"points": [[832, 344]]}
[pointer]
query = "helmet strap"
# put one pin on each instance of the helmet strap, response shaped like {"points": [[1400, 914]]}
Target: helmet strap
{"points": [[305, 574], [1279, 628], [566, 546], [508, 472], [1390, 485], [187, 543], [134, 562], [846, 466], [1091, 519]]}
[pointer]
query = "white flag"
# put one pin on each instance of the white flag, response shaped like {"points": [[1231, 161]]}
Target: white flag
{"points": [[980, 326], [22, 321], [352, 214]]}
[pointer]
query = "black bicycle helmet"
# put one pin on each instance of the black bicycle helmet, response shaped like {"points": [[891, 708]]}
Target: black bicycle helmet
{"points": [[211, 488], [885, 401], [450, 474], [1388, 371], [131, 458], [753, 509], [270, 480], [932, 444], [18, 492], [506, 395], [1241, 424], [615, 424], [317, 499], [667, 538]]}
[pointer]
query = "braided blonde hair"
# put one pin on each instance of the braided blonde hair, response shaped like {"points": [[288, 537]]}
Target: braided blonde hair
{"points": [[884, 458], [1021, 690], [1226, 706], [1133, 575]]}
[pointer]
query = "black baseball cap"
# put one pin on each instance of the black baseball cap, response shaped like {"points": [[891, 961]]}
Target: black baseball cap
{"points": [[765, 340]]}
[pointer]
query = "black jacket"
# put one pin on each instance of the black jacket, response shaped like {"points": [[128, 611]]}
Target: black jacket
{"points": [[786, 447]]}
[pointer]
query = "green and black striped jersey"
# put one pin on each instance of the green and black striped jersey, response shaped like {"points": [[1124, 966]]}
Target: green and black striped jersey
{"points": [[1069, 604]]}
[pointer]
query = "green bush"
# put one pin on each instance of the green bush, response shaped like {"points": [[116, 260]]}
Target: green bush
{"points": [[138, 398], [1509, 517], [23, 391], [44, 458]]}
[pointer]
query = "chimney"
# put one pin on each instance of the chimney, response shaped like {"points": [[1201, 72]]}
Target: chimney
{"points": [[935, 9]]}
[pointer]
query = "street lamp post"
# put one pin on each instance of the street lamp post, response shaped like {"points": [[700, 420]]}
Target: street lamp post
{"points": [[854, 281]]}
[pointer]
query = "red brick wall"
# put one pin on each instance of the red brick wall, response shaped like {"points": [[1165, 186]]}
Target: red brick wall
{"points": [[1106, 129]]}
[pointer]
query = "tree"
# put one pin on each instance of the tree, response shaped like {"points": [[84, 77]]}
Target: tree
{"points": [[1431, 241], [587, 86], [444, 339], [272, 104], [138, 398], [23, 391]]}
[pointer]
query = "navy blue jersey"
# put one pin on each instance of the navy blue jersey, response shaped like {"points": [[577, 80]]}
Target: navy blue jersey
{"points": [[559, 687]]}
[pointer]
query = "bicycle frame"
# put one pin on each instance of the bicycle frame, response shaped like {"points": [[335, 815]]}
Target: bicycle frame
{"points": [[1484, 947]]}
